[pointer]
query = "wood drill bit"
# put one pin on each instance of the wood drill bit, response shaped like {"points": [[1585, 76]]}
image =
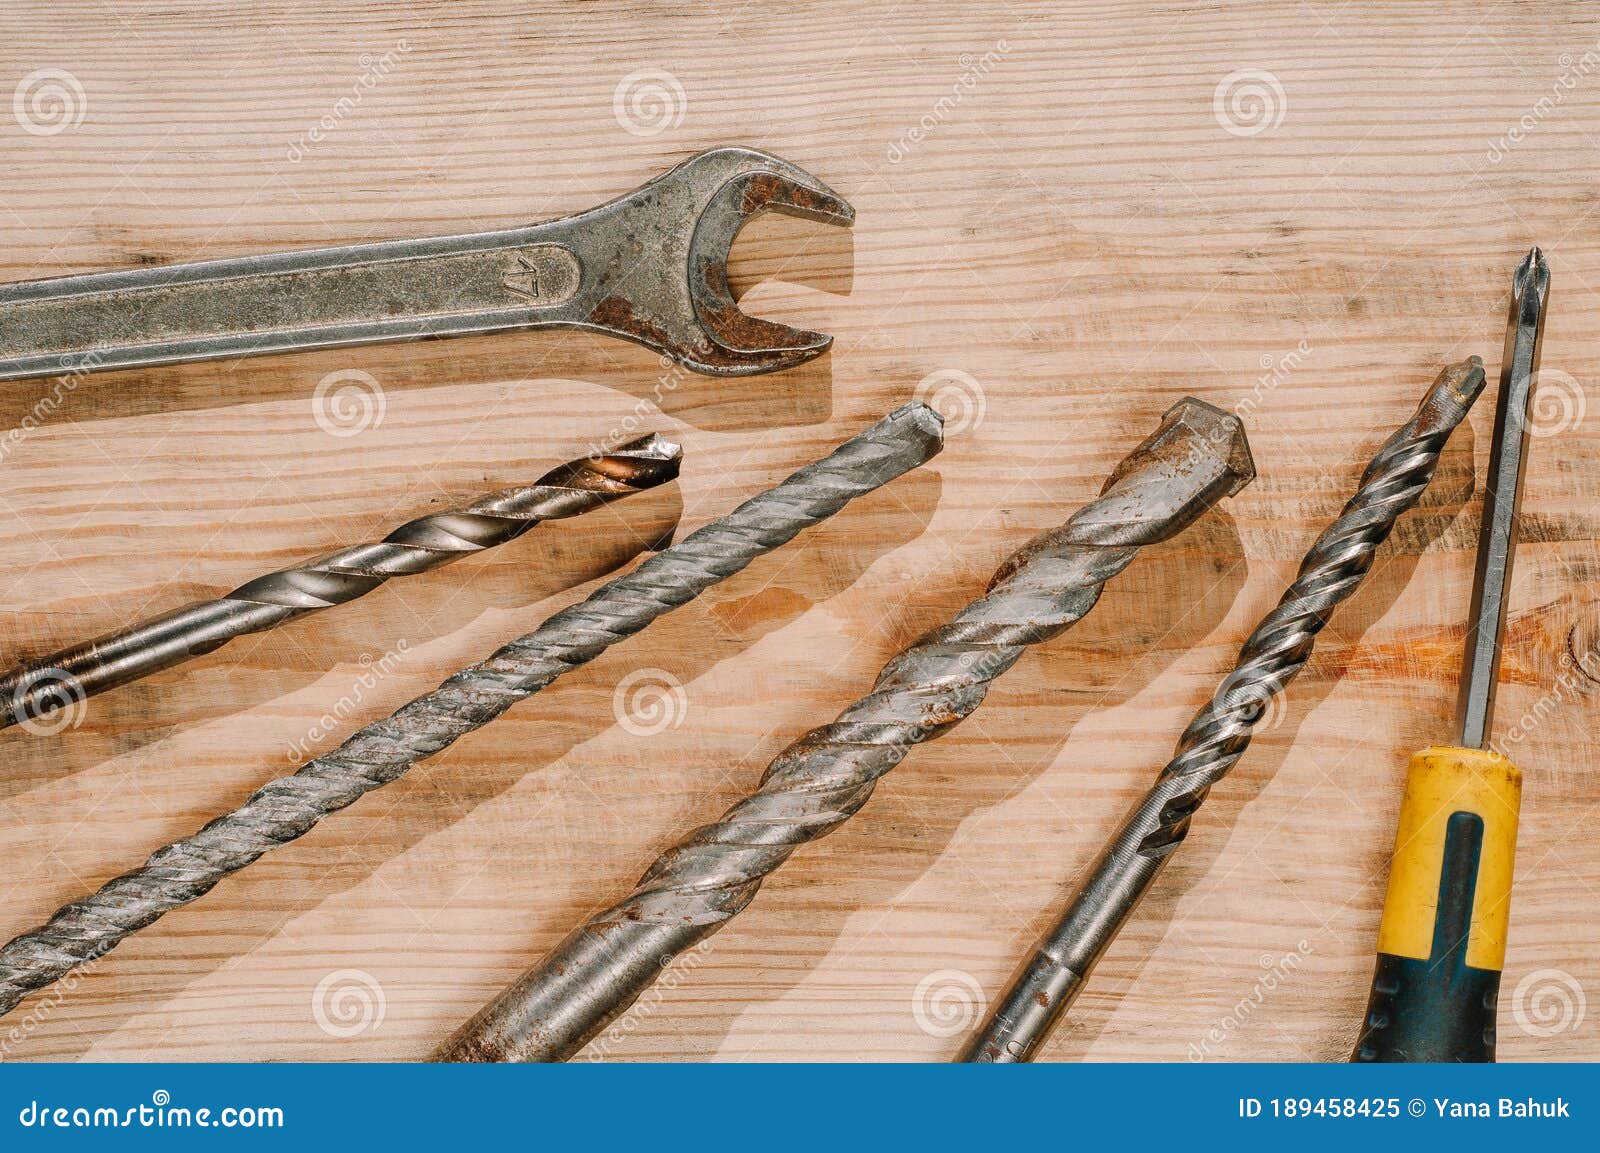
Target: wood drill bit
{"points": [[36, 688], [1219, 734], [1196, 457], [291, 806]]}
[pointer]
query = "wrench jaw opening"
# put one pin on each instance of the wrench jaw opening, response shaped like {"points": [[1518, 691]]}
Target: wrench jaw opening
{"points": [[658, 258], [728, 342]]}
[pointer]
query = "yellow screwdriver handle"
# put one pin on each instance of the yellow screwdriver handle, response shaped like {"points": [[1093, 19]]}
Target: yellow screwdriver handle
{"points": [[1442, 940]]}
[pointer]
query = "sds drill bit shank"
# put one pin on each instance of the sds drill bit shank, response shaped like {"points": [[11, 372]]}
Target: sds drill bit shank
{"points": [[38, 687], [1219, 734], [1198, 455], [291, 806]]}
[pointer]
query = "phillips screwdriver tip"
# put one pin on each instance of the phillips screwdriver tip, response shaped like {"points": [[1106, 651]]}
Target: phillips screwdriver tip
{"points": [[1532, 278]]}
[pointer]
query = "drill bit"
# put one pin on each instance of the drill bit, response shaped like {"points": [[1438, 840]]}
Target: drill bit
{"points": [[36, 688], [291, 806], [1196, 457], [1219, 734]]}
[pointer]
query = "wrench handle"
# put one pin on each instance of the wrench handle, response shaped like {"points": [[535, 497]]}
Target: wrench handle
{"points": [[359, 294]]}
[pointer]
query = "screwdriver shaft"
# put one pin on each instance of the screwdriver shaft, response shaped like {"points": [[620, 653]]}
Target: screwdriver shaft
{"points": [[1502, 503]]}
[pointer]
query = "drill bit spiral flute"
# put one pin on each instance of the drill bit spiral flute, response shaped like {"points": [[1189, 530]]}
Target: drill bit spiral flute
{"points": [[291, 806], [35, 688], [1219, 734], [1196, 457]]}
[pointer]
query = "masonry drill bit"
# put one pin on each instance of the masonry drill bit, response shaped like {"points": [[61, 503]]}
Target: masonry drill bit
{"points": [[1219, 734], [1196, 457], [36, 688], [291, 806]]}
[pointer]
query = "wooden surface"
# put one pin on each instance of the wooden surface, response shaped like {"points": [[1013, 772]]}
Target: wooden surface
{"points": [[1080, 233]]}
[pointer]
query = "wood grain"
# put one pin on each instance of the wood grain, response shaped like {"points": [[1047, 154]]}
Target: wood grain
{"points": [[1074, 228]]}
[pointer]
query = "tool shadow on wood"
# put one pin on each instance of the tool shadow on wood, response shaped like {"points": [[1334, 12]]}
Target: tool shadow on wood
{"points": [[157, 965], [1133, 636], [1441, 509], [260, 668]]}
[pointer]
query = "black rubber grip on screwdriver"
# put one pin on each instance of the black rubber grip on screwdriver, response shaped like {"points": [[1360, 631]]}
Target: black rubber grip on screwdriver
{"points": [[1441, 945]]}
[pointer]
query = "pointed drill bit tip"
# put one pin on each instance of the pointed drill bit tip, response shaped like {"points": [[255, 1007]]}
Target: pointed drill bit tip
{"points": [[646, 462]]}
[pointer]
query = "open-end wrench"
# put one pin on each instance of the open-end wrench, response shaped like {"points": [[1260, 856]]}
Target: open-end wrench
{"points": [[651, 266]]}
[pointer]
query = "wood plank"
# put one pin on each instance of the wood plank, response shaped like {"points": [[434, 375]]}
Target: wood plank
{"points": [[1072, 227]]}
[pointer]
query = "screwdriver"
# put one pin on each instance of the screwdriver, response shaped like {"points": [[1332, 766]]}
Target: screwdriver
{"points": [[1442, 939]]}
